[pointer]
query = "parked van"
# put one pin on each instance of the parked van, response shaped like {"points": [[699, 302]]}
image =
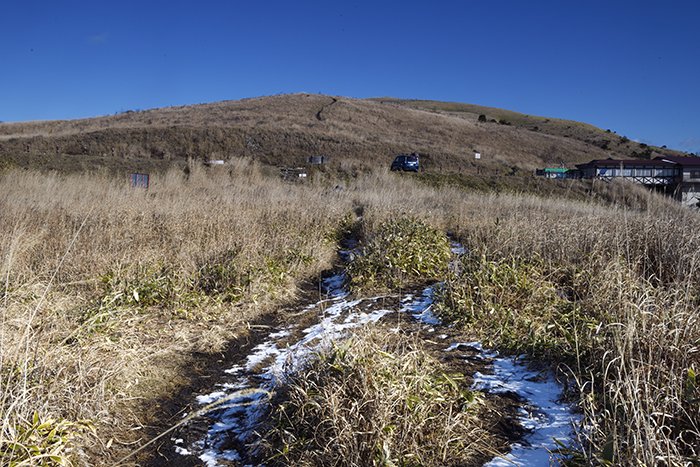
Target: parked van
{"points": [[406, 163]]}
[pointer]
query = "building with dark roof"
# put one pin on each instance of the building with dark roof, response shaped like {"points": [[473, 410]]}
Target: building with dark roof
{"points": [[646, 172], [678, 175]]}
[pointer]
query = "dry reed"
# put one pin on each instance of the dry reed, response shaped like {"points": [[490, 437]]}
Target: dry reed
{"points": [[378, 399], [92, 349]]}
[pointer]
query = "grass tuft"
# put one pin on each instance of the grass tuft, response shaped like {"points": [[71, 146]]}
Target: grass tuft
{"points": [[514, 305], [42, 441], [377, 399], [400, 252]]}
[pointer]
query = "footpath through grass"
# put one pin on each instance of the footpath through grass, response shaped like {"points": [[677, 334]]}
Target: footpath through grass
{"points": [[107, 292], [610, 299]]}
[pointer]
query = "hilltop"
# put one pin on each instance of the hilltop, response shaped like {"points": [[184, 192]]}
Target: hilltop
{"points": [[284, 130]]}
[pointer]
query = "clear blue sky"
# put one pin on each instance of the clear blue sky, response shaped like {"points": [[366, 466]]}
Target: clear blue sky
{"points": [[630, 66]]}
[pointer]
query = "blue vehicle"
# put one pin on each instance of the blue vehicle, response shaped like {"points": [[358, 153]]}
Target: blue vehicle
{"points": [[406, 163]]}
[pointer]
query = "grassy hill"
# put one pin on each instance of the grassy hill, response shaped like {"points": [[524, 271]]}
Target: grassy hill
{"points": [[120, 306], [284, 130]]}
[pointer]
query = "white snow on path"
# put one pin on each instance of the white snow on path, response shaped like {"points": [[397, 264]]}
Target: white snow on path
{"points": [[245, 398], [421, 308], [544, 415]]}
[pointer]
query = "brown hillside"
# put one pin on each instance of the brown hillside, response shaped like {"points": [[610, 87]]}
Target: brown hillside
{"points": [[286, 129]]}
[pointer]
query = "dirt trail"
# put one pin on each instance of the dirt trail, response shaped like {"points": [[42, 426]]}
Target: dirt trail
{"points": [[319, 114], [226, 434]]}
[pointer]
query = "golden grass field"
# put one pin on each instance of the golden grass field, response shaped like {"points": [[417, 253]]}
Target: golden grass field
{"points": [[112, 297]]}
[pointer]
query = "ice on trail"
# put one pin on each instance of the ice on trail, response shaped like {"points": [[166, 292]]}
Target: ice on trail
{"points": [[544, 415], [234, 369], [470, 345], [211, 457], [421, 308], [546, 418], [209, 398], [244, 399], [333, 285], [182, 451]]}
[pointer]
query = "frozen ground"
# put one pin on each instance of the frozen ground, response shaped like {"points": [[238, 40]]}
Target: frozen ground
{"points": [[543, 413], [243, 399]]}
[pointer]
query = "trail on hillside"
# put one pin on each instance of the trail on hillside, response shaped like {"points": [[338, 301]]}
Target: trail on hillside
{"points": [[228, 434], [319, 114]]}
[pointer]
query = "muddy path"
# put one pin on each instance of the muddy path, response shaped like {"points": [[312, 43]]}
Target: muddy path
{"points": [[204, 370], [232, 404], [201, 371]]}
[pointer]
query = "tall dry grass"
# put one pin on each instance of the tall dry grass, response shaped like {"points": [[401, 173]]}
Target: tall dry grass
{"points": [[107, 290], [80, 253], [611, 293]]}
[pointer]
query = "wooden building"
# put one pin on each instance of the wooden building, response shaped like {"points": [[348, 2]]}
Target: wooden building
{"points": [[646, 172], [678, 175]]}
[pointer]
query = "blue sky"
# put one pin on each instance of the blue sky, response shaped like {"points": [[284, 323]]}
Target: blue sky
{"points": [[630, 66]]}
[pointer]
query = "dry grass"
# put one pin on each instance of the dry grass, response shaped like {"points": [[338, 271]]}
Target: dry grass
{"points": [[102, 327], [286, 129], [102, 291], [378, 399], [613, 294], [107, 291]]}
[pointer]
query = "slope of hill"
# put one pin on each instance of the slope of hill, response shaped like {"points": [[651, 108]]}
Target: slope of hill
{"points": [[286, 129]]}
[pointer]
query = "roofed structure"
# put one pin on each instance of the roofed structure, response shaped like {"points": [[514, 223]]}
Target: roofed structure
{"points": [[646, 172], [679, 175]]}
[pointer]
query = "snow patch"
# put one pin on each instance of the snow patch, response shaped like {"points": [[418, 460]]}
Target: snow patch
{"points": [[262, 352], [472, 345], [209, 398], [234, 370], [420, 308], [544, 415], [182, 451], [279, 334], [247, 397], [333, 286]]}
